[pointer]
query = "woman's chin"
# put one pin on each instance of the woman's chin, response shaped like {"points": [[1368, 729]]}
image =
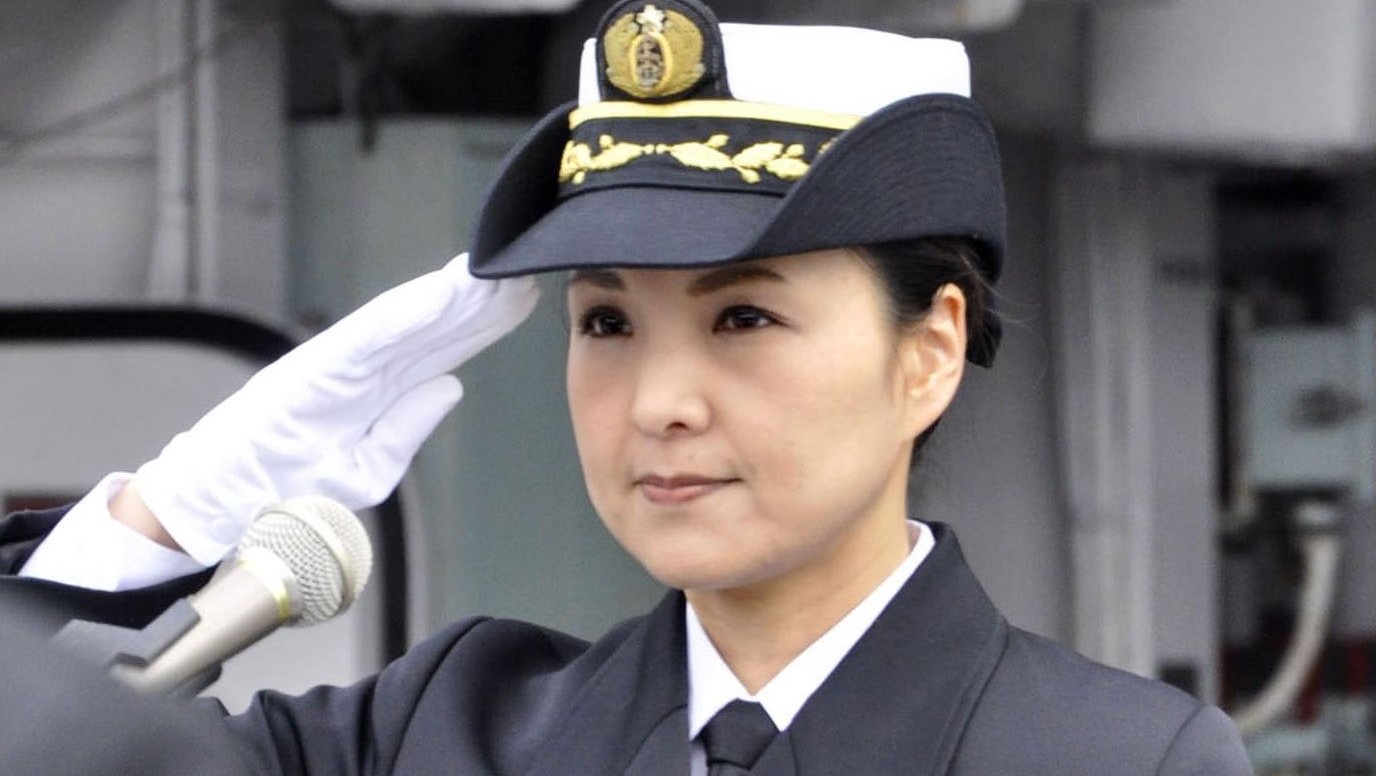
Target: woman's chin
{"points": [[708, 572]]}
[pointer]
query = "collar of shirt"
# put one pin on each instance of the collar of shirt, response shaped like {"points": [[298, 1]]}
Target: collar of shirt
{"points": [[713, 685]]}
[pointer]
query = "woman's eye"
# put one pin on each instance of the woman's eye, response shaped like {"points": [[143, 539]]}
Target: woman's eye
{"points": [[741, 317], [604, 322]]}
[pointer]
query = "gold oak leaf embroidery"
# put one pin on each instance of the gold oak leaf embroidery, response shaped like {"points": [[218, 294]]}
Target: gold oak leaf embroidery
{"points": [[574, 162], [701, 156], [784, 162], [757, 155], [791, 165], [753, 158], [577, 160]]}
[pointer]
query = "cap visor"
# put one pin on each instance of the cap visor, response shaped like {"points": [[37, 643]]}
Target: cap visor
{"points": [[638, 227]]}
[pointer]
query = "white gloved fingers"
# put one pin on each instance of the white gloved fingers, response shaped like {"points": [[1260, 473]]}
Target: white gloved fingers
{"points": [[342, 415], [485, 315], [478, 313], [448, 304], [382, 456], [469, 325], [390, 318], [422, 328], [402, 338]]}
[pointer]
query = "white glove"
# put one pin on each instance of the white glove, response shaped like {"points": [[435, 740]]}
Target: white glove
{"points": [[341, 416]]}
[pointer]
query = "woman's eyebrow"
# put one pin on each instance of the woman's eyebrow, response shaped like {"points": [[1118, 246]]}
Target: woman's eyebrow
{"points": [[732, 275], [599, 278]]}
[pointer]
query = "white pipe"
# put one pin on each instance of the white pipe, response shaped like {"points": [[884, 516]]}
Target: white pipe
{"points": [[207, 166], [171, 254], [1321, 550]]}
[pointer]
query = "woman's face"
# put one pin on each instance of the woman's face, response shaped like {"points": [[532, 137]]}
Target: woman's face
{"points": [[748, 422]]}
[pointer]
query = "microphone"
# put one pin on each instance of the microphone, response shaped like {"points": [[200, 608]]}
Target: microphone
{"points": [[300, 562]]}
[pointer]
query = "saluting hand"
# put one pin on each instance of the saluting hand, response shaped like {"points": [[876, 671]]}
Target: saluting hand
{"points": [[341, 416]]}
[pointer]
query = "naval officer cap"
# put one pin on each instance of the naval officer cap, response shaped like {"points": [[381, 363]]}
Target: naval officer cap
{"points": [[695, 143]]}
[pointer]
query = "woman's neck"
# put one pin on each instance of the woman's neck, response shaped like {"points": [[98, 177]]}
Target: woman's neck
{"points": [[759, 629]]}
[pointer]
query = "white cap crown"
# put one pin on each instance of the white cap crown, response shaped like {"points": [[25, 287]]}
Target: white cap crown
{"points": [[846, 70]]}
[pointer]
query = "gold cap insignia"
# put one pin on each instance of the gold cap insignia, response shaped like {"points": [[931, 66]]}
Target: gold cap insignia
{"points": [[654, 53]]}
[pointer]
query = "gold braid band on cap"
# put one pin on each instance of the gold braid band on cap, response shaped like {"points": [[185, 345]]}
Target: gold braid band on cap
{"points": [[700, 135], [715, 109]]}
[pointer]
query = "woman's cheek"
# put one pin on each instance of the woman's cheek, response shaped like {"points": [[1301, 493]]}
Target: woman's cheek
{"points": [[598, 441]]}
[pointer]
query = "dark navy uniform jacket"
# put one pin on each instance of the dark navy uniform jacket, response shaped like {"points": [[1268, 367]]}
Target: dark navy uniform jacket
{"points": [[940, 684]]}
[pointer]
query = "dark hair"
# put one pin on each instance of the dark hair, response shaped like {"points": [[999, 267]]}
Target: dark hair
{"points": [[913, 271]]}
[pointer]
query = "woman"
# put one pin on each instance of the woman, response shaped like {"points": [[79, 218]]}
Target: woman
{"points": [[778, 263]]}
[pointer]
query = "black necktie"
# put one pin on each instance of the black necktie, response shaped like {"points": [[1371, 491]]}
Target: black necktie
{"points": [[736, 737]]}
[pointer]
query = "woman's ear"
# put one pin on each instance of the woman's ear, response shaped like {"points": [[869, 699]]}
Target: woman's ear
{"points": [[932, 356]]}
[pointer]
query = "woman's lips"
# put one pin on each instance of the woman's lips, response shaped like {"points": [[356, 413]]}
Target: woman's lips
{"points": [[678, 489]]}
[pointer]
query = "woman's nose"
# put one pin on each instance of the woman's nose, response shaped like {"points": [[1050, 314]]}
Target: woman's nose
{"points": [[669, 397]]}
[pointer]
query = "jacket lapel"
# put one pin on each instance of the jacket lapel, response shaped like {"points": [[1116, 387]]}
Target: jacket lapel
{"points": [[631, 718], [900, 700], [898, 703], [666, 750]]}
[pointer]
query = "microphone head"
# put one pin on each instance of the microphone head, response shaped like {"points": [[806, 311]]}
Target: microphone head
{"points": [[325, 547]]}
